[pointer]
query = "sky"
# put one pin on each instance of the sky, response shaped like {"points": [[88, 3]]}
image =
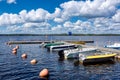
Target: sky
{"points": [[59, 16]]}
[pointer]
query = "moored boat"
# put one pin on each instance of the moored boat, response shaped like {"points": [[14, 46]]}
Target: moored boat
{"points": [[74, 53], [114, 46], [93, 59], [53, 44], [61, 47]]}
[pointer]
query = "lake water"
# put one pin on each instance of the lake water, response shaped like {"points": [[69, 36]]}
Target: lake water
{"points": [[13, 67]]}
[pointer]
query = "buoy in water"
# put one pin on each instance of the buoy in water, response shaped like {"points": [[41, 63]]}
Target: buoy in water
{"points": [[33, 62], [24, 56], [14, 52], [44, 73], [14, 49], [17, 47]]}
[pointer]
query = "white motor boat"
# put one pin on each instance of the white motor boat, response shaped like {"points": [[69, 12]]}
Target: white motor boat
{"points": [[114, 46], [74, 53]]}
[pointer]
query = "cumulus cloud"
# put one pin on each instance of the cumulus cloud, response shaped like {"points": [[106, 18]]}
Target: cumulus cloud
{"points": [[37, 25], [96, 8], [39, 15], [9, 19], [116, 17], [94, 25], [32, 20], [33, 16], [102, 16], [105, 25], [11, 1]]}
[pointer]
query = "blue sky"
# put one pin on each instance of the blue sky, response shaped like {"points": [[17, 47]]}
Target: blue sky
{"points": [[59, 16]]}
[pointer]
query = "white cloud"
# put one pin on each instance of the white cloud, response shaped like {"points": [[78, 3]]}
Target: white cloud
{"points": [[58, 27], [38, 15], [115, 26], [11, 1], [101, 17], [34, 16], [68, 24], [96, 8], [58, 20], [116, 17], [78, 25], [57, 12], [105, 25], [34, 20], [9, 19], [37, 25]]}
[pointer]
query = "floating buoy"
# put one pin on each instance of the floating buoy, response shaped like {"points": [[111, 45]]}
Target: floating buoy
{"points": [[14, 49], [44, 73], [17, 47], [14, 52], [24, 56], [33, 62]]}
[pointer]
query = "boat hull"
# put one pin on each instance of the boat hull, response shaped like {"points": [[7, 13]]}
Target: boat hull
{"points": [[52, 44], [61, 47], [74, 53], [114, 46], [100, 60], [106, 58]]}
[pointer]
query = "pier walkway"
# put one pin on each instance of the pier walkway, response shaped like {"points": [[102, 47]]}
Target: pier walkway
{"points": [[104, 49], [39, 42]]}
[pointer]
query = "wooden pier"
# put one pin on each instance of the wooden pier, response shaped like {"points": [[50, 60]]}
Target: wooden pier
{"points": [[39, 42], [27, 42], [104, 49], [72, 41]]}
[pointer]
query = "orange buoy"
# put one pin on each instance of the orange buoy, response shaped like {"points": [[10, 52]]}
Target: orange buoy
{"points": [[14, 49], [14, 52], [24, 56], [17, 47], [44, 73], [33, 62]]}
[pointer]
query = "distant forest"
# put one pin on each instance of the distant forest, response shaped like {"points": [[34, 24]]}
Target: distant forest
{"points": [[59, 35]]}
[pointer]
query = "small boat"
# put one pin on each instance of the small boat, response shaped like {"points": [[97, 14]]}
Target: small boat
{"points": [[61, 47], [114, 46], [93, 59], [74, 53], [53, 44]]}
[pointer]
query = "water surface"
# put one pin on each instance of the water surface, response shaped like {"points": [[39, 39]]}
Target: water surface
{"points": [[13, 67]]}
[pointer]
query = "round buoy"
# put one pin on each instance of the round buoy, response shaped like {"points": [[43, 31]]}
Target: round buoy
{"points": [[14, 49], [14, 52], [24, 56], [33, 62], [44, 73], [17, 47]]}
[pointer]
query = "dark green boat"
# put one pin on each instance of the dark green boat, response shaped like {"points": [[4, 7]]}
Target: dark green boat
{"points": [[53, 44]]}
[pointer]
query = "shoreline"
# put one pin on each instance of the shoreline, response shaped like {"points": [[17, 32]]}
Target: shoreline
{"points": [[59, 35]]}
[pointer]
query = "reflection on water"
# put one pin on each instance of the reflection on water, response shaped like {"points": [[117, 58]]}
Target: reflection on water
{"points": [[13, 67]]}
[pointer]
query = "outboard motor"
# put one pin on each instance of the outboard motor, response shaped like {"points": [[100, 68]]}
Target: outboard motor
{"points": [[61, 54]]}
